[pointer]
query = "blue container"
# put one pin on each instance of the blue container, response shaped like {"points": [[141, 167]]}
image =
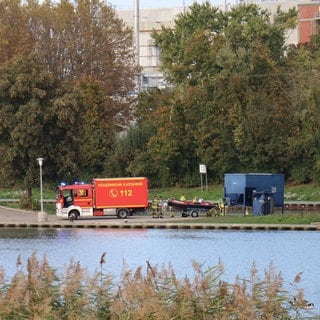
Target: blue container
{"points": [[241, 188]]}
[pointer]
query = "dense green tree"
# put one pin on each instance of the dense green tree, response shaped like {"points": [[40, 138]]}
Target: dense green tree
{"points": [[86, 42], [240, 100], [97, 128], [84, 51], [303, 69], [129, 150], [261, 102], [66, 134], [167, 157], [229, 67], [26, 93], [15, 40], [131, 155]]}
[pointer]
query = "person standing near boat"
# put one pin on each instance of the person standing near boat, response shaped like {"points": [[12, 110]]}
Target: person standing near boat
{"points": [[161, 207], [155, 207]]}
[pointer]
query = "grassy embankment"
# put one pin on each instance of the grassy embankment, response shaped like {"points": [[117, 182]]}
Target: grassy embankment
{"points": [[305, 193], [309, 192]]}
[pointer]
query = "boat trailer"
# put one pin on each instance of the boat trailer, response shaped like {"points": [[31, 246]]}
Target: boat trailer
{"points": [[190, 208]]}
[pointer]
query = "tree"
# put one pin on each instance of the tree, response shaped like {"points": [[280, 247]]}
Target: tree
{"points": [[97, 128], [26, 93], [304, 142], [72, 68], [229, 66], [86, 41], [88, 47], [131, 155], [15, 40]]}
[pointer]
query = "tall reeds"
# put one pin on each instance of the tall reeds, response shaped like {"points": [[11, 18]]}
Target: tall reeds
{"points": [[153, 293]]}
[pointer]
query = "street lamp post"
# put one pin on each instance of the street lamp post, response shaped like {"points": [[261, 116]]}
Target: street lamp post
{"points": [[40, 161]]}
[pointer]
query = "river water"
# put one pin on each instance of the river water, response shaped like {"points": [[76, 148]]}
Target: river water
{"points": [[290, 252]]}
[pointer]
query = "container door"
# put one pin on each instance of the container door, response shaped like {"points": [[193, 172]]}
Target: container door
{"points": [[258, 205]]}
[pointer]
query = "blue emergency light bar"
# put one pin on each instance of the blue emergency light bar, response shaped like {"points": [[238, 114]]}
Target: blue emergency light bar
{"points": [[79, 182]]}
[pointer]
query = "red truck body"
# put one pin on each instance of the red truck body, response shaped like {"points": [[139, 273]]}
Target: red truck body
{"points": [[121, 192], [119, 196]]}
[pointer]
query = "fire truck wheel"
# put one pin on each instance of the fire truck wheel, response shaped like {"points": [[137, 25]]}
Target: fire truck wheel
{"points": [[194, 214], [73, 215], [122, 213]]}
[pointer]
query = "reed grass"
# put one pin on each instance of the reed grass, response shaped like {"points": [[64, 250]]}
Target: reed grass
{"points": [[155, 293]]}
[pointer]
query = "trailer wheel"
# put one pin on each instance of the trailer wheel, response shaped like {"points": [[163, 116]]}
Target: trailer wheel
{"points": [[73, 215], [194, 214], [122, 213]]}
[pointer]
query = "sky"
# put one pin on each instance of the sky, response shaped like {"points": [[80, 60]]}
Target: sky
{"points": [[145, 4]]}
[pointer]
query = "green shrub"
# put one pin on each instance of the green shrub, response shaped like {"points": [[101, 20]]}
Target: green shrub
{"points": [[28, 203]]}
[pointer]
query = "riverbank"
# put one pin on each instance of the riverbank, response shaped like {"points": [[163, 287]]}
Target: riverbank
{"points": [[28, 219]]}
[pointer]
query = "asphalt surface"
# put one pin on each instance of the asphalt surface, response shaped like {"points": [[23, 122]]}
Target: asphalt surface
{"points": [[18, 216], [8, 215], [23, 218]]}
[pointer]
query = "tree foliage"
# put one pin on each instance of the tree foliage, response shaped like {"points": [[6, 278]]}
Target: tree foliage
{"points": [[226, 69], [26, 91], [84, 39], [66, 73], [232, 105], [240, 99], [303, 71]]}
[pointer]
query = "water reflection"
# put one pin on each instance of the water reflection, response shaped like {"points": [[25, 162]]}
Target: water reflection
{"points": [[26, 233], [290, 251]]}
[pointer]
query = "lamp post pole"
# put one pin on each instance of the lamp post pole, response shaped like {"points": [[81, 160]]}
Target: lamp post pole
{"points": [[40, 161]]}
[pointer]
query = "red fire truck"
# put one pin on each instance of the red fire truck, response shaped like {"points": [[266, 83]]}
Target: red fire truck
{"points": [[119, 196]]}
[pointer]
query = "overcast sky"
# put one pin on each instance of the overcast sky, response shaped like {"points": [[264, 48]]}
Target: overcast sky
{"points": [[144, 4]]}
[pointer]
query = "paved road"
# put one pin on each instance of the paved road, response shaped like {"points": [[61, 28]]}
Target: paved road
{"points": [[22, 218], [17, 216], [8, 215]]}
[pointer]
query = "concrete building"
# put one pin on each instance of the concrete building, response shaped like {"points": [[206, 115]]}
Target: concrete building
{"points": [[148, 20]]}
